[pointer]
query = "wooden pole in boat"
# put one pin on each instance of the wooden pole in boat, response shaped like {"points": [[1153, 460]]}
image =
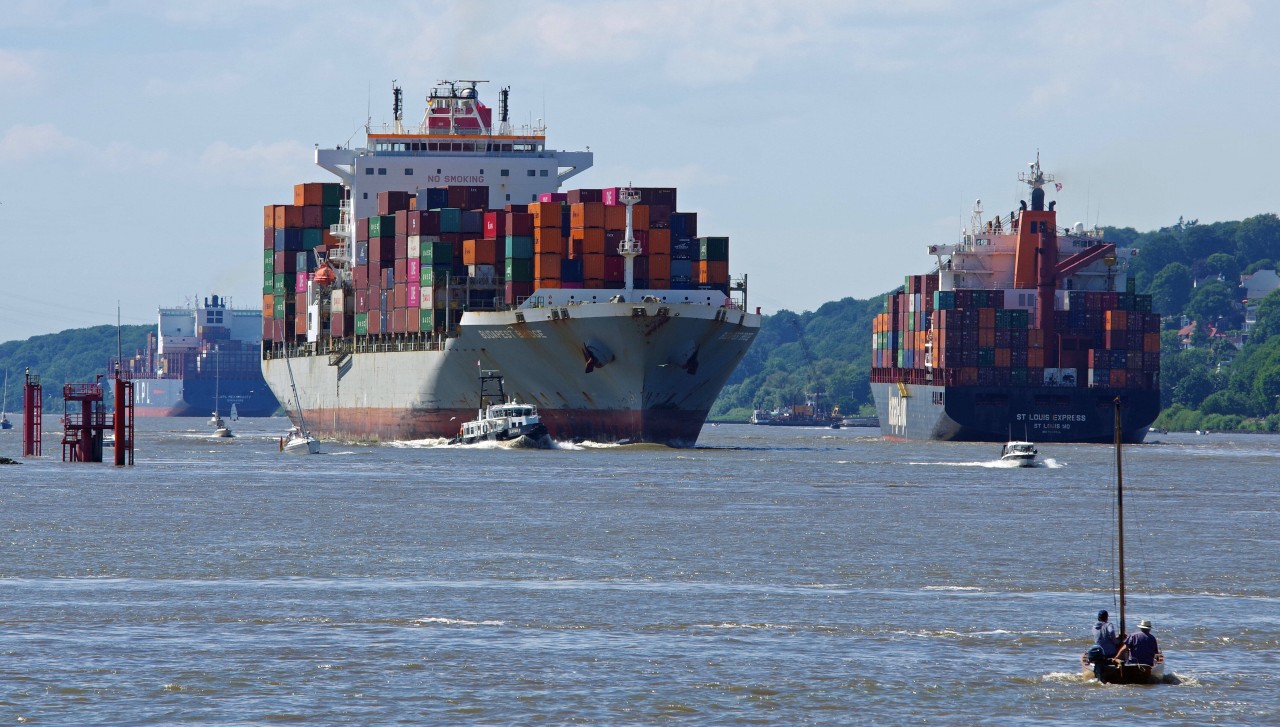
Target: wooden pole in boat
{"points": [[1120, 512]]}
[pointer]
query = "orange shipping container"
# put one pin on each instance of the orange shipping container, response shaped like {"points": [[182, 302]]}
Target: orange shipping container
{"points": [[986, 317], [1117, 320], [615, 217], [1002, 358], [288, 216], [546, 214], [986, 337], [1035, 338], [269, 216], [546, 266], [659, 267], [1119, 380], [479, 252], [659, 242], [548, 239], [1035, 358], [1151, 343], [585, 215], [593, 266], [308, 193], [592, 239], [300, 324]]}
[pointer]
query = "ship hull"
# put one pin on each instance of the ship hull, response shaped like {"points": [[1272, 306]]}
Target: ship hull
{"points": [[995, 414], [177, 397], [662, 368]]}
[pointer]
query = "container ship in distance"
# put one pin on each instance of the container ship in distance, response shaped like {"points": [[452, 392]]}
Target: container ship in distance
{"points": [[446, 248], [1023, 330], [201, 357]]}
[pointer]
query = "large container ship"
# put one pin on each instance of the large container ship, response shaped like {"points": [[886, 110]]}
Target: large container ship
{"points": [[447, 248], [202, 357], [1023, 330]]}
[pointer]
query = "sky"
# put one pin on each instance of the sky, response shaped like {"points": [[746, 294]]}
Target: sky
{"points": [[831, 140]]}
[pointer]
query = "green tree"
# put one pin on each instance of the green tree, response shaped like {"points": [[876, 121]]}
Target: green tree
{"points": [[1171, 288], [1193, 388], [1225, 265], [1214, 303], [1263, 264], [1258, 237]]}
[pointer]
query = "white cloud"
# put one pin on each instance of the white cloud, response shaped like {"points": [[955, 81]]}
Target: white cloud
{"points": [[281, 160], [17, 68], [21, 143]]}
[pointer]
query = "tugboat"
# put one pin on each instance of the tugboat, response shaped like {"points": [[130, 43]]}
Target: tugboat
{"points": [[510, 423]]}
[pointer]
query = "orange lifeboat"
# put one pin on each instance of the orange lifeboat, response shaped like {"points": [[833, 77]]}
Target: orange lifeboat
{"points": [[325, 275]]}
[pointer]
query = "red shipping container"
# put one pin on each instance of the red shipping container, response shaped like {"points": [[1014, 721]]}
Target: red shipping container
{"points": [[658, 242], [382, 249], [401, 268], [362, 229], [575, 196], [399, 295], [659, 216], [268, 238], [300, 324], [423, 222], [615, 217], [308, 193], [613, 269], [360, 277], [479, 252], [401, 247], [268, 330], [659, 269], [516, 292], [338, 326], [362, 301], [390, 203], [519, 224], [286, 262], [288, 217], [546, 266], [495, 225], [592, 240], [311, 217], [277, 330]]}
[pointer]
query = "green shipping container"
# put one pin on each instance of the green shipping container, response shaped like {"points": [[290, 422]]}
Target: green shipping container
{"points": [[269, 261], [433, 319], [519, 271], [450, 220], [279, 288], [330, 216], [311, 238], [382, 226], [713, 248], [435, 252], [435, 275], [331, 194], [362, 324], [278, 311], [519, 246]]}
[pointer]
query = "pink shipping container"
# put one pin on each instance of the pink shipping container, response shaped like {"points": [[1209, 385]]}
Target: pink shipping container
{"points": [[413, 297], [300, 281], [495, 226], [609, 196], [553, 197], [413, 270]]}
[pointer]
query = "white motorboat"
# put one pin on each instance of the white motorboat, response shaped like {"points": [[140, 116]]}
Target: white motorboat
{"points": [[509, 423], [1021, 453]]}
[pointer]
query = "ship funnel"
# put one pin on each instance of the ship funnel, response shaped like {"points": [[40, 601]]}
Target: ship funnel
{"points": [[1037, 199]]}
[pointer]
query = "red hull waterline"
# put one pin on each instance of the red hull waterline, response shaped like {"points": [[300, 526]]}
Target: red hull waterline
{"points": [[678, 428]]}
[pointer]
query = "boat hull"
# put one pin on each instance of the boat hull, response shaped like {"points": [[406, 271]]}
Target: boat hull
{"points": [[192, 397], [640, 372], [993, 414], [1125, 673]]}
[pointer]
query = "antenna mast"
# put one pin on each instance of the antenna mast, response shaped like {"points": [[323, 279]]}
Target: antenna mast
{"points": [[629, 248], [397, 107]]}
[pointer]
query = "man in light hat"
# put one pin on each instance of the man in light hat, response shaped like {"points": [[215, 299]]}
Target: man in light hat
{"points": [[1140, 648], [1105, 636]]}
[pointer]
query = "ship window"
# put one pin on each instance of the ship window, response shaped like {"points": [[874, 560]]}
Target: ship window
{"points": [[505, 173], [437, 171], [408, 172], [366, 195], [432, 146], [457, 146], [532, 172], [508, 198], [368, 170], [542, 172], [382, 171]]}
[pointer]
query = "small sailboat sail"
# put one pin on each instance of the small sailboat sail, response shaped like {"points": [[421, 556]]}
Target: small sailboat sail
{"points": [[1094, 663]]}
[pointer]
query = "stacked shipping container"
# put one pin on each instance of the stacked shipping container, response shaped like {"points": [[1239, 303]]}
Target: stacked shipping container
{"points": [[426, 257], [968, 337]]}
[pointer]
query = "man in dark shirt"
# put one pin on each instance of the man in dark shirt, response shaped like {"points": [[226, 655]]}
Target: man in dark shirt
{"points": [[1140, 648], [1105, 636]]}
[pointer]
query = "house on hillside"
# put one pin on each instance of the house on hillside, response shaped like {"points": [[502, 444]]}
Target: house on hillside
{"points": [[1256, 287]]}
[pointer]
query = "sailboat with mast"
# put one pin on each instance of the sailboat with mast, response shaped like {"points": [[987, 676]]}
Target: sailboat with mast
{"points": [[4, 409], [220, 428], [299, 439], [1093, 663]]}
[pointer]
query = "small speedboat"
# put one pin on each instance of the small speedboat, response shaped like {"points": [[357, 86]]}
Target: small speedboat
{"points": [[1021, 453]]}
